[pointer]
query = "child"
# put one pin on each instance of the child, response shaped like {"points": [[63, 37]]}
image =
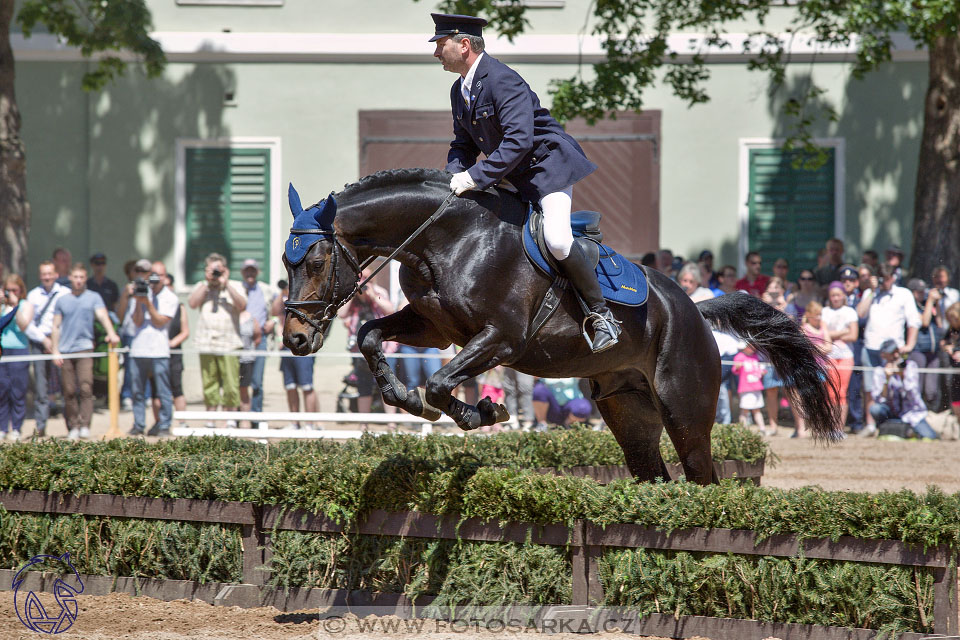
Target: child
{"points": [[951, 346], [814, 328], [747, 366]]}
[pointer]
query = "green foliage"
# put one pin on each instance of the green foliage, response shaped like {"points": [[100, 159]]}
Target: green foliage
{"points": [[102, 29], [122, 547], [770, 589]]}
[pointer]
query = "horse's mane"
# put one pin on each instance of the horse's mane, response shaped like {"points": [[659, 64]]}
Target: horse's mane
{"points": [[394, 178]]}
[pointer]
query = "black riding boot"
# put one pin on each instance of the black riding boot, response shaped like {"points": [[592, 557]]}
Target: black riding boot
{"points": [[578, 271]]}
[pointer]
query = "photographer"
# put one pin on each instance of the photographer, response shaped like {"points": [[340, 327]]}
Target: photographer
{"points": [[896, 392], [151, 308], [218, 330]]}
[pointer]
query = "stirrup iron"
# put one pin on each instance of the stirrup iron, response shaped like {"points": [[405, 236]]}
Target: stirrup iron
{"points": [[611, 324]]}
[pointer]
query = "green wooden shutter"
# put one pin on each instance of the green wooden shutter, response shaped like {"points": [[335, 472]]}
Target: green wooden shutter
{"points": [[228, 207], [791, 210]]}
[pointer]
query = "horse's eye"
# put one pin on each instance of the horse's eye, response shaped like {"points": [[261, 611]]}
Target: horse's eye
{"points": [[315, 266]]}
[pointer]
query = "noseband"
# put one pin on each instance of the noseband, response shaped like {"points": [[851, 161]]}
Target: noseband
{"points": [[330, 309]]}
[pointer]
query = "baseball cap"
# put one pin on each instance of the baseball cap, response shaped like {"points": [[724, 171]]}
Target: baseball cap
{"points": [[98, 256], [143, 265], [888, 346], [836, 284], [895, 248], [916, 284], [848, 272], [706, 253], [250, 262]]}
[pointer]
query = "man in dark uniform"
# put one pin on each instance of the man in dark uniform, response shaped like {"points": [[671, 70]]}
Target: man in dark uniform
{"points": [[496, 112]]}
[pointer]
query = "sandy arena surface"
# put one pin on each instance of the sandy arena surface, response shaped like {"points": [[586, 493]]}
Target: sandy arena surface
{"points": [[853, 465]]}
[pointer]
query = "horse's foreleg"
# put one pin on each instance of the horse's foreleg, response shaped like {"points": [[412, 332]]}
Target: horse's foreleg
{"points": [[482, 353], [409, 328]]}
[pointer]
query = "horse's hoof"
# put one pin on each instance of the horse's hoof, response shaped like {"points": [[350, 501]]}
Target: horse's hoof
{"points": [[492, 413], [429, 412]]}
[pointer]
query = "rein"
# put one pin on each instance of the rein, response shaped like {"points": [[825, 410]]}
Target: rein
{"points": [[330, 309]]}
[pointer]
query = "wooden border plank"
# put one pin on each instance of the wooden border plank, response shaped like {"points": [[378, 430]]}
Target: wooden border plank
{"points": [[845, 549], [184, 509], [945, 610], [605, 474]]}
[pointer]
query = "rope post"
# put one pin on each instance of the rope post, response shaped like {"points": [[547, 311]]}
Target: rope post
{"points": [[113, 393]]}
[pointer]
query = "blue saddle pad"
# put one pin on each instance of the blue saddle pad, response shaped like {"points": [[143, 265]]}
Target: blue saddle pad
{"points": [[620, 280]]}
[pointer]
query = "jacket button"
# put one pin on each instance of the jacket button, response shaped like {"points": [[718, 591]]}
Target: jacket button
{"points": [[474, 122], [481, 139]]}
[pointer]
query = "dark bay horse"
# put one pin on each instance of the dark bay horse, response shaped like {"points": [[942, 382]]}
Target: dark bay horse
{"points": [[469, 283]]}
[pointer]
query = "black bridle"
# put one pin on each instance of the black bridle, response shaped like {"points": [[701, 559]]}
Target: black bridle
{"points": [[295, 307]]}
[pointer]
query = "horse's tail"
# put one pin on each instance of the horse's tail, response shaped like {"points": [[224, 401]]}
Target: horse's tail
{"points": [[798, 363]]}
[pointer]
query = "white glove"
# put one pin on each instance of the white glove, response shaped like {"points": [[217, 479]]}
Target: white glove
{"points": [[461, 182]]}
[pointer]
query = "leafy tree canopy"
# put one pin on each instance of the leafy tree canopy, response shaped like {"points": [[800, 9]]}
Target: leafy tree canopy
{"points": [[109, 31]]}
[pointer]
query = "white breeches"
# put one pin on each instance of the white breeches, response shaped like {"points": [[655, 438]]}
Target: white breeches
{"points": [[556, 222]]}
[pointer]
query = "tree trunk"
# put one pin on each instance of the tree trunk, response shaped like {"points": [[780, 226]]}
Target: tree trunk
{"points": [[14, 208], [936, 217]]}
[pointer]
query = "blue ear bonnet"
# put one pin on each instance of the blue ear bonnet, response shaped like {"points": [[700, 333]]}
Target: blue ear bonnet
{"points": [[319, 217]]}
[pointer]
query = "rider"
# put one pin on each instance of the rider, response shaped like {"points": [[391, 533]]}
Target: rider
{"points": [[495, 111]]}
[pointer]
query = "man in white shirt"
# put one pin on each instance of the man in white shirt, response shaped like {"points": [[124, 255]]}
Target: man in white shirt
{"points": [[149, 314], [891, 314], [44, 301]]}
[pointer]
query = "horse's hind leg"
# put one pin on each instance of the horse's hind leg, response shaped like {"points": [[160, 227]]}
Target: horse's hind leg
{"points": [[634, 420], [688, 405]]}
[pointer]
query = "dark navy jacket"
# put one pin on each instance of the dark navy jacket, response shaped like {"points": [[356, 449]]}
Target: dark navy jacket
{"points": [[520, 139]]}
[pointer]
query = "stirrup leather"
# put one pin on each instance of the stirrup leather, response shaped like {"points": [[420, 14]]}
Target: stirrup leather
{"points": [[606, 321]]}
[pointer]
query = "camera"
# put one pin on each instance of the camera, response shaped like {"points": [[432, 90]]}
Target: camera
{"points": [[216, 273], [140, 287]]}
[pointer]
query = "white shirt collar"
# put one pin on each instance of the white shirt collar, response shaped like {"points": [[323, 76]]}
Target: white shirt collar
{"points": [[467, 80]]}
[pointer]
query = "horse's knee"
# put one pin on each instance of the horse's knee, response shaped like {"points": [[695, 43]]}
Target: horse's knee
{"points": [[436, 392], [368, 341]]}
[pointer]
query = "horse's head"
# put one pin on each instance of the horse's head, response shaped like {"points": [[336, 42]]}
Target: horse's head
{"points": [[322, 274]]}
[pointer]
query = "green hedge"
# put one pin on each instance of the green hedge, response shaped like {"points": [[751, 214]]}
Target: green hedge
{"points": [[445, 475]]}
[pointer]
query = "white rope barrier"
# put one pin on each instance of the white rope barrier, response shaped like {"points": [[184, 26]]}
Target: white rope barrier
{"points": [[277, 416]]}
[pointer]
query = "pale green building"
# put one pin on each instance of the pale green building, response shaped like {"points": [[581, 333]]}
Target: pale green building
{"points": [[259, 93]]}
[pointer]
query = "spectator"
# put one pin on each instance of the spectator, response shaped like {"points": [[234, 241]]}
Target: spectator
{"points": [[871, 259], [218, 331], [754, 282], [951, 347], [151, 309], [850, 279], [842, 325], [260, 297], [896, 391], [747, 366], [73, 333], [940, 280], [139, 270], [943, 296], [44, 299], [373, 301], [559, 401], [297, 370], [890, 312], [894, 257], [649, 259], [178, 330], [665, 263], [425, 361], [727, 276], [806, 293], [926, 353], [100, 283], [689, 280], [14, 376], [781, 269], [518, 397], [62, 259], [251, 338], [813, 327], [865, 275], [776, 297], [708, 278], [830, 271], [728, 346]]}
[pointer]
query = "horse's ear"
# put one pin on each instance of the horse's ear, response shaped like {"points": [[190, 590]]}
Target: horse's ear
{"points": [[295, 207], [326, 212]]}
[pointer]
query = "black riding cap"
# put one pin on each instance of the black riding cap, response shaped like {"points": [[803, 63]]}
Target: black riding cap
{"points": [[452, 24]]}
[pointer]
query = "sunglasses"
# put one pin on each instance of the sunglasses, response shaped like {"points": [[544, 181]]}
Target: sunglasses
{"points": [[804, 278]]}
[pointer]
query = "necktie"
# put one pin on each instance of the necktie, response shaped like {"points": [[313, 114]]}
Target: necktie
{"points": [[465, 92]]}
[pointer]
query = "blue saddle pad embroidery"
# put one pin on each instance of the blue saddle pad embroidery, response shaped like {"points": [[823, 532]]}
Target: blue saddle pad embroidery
{"points": [[621, 281]]}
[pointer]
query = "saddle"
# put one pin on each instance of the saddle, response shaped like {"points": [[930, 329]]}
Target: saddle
{"points": [[621, 281]]}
